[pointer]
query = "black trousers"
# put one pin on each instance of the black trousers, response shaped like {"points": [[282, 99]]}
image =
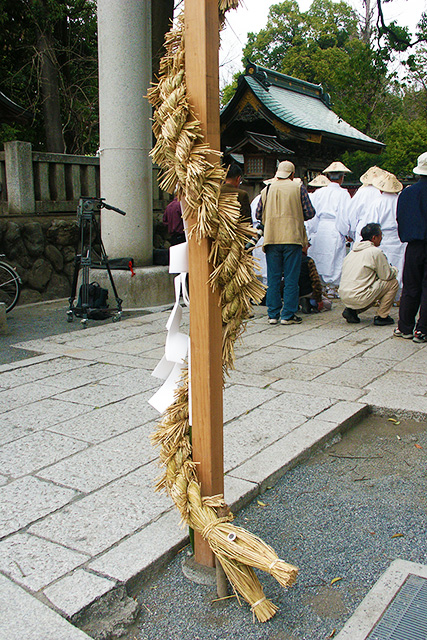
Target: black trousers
{"points": [[414, 292]]}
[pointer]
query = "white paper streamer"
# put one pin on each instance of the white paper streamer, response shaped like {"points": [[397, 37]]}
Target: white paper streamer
{"points": [[177, 343]]}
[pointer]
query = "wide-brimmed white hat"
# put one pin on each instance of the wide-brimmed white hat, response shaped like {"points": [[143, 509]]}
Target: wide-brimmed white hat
{"points": [[319, 181], [336, 167], [388, 183], [285, 169], [421, 168], [370, 174]]}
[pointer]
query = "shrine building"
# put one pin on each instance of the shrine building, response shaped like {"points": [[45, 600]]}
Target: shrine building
{"points": [[274, 117]]}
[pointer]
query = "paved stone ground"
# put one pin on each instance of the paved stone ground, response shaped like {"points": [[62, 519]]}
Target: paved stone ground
{"points": [[78, 515]]}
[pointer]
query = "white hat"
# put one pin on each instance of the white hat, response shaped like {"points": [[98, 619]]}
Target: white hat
{"points": [[270, 180], [370, 174], [285, 169], [319, 181], [421, 168], [336, 167], [388, 183]]}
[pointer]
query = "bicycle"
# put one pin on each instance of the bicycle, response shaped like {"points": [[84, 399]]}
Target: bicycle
{"points": [[10, 284]]}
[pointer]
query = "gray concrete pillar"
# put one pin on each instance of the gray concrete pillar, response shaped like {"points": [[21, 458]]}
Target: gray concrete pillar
{"points": [[124, 47], [19, 177]]}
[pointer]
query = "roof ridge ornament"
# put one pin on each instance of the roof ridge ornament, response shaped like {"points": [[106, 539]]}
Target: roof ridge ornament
{"points": [[258, 73]]}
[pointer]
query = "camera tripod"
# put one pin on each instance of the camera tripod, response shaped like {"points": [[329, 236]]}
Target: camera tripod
{"points": [[89, 234]]}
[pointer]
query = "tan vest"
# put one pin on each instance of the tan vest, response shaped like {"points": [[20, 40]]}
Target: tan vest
{"points": [[283, 216]]}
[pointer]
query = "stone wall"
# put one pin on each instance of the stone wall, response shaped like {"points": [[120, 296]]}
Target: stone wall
{"points": [[43, 253]]}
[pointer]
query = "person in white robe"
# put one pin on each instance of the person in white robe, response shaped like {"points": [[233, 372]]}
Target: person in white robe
{"points": [[258, 253], [330, 227], [361, 200], [383, 212]]}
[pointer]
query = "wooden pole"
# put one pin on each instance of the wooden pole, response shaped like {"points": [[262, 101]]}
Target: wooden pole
{"points": [[202, 75]]}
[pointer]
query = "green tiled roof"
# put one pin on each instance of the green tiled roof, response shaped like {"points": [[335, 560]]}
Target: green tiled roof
{"points": [[299, 104], [304, 111]]}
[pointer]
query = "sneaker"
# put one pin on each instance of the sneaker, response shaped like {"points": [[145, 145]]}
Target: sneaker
{"points": [[273, 321], [382, 322], [292, 320], [399, 334], [350, 315], [419, 337]]}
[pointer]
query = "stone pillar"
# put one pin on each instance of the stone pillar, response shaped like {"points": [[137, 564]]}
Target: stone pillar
{"points": [[19, 177], [124, 47]]}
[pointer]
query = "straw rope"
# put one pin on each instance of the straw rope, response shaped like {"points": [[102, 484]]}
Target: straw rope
{"points": [[185, 160]]}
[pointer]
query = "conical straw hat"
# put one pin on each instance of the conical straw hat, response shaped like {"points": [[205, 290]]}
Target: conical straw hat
{"points": [[370, 174], [336, 167], [388, 183], [319, 181]]}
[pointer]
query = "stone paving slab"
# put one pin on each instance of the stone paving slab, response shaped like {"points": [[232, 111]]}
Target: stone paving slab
{"points": [[20, 614], [107, 461], [102, 423], [78, 513], [35, 563], [28, 499], [103, 518]]}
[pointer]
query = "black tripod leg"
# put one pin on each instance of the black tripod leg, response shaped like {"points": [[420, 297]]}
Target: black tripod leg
{"points": [[104, 260], [73, 292]]}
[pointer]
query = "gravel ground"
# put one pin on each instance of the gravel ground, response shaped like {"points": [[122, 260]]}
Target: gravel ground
{"points": [[346, 513]]}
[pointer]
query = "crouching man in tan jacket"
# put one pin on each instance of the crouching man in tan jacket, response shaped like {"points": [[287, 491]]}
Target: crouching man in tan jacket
{"points": [[368, 277]]}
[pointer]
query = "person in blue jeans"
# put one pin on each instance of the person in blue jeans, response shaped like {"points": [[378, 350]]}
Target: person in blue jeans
{"points": [[283, 207]]}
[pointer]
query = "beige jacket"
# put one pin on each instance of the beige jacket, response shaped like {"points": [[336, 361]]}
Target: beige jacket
{"points": [[362, 271], [283, 216]]}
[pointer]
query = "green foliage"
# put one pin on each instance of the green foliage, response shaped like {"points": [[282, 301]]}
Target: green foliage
{"points": [[324, 46], [360, 161], [405, 140], [72, 28], [228, 92]]}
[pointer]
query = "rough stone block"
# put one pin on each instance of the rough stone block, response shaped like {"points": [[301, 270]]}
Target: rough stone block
{"points": [[74, 592]]}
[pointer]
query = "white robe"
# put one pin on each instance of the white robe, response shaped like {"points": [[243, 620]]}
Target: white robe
{"points": [[361, 200], [258, 253], [327, 231], [383, 212]]}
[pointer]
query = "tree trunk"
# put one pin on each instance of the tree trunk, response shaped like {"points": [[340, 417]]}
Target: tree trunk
{"points": [[367, 27], [49, 86], [162, 15]]}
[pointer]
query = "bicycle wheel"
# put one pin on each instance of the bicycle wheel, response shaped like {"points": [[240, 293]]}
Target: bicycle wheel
{"points": [[9, 286]]}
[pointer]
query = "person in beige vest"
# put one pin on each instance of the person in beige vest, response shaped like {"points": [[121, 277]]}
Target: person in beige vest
{"points": [[283, 207], [367, 277]]}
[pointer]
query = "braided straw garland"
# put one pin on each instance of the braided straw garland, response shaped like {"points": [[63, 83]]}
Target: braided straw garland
{"points": [[182, 154]]}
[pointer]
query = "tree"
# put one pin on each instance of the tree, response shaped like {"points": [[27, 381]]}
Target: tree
{"points": [[49, 65], [325, 46]]}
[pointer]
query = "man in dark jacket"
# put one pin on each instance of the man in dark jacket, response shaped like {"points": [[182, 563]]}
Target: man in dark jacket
{"points": [[412, 228], [231, 185]]}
